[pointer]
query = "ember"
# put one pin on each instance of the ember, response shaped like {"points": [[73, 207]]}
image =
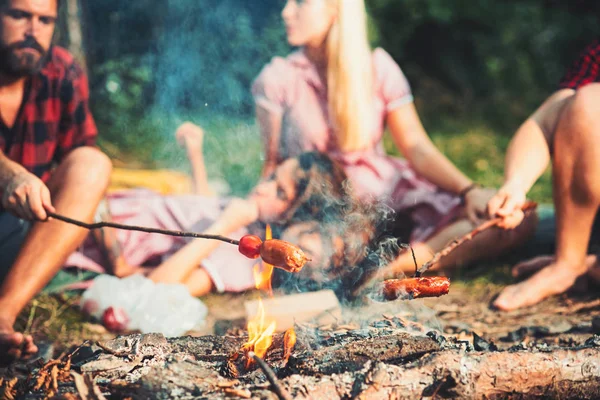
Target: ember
{"points": [[289, 341]]}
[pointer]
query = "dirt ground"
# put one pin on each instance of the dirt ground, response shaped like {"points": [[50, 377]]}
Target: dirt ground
{"points": [[460, 313], [56, 322], [58, 325]]}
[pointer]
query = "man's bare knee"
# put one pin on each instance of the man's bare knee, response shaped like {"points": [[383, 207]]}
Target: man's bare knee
{"points": [[85, 165]]}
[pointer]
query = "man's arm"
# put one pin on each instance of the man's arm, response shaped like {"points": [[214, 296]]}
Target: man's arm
{"points": [[23, 194]]}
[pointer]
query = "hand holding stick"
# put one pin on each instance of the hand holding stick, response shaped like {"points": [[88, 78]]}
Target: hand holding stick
{"points": [[530, 205], [435, 286]]}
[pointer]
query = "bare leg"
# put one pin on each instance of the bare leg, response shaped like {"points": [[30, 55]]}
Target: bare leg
{"points": [[192, 137], [77, 186], [488, 244], [199, 283], [576, 171]]}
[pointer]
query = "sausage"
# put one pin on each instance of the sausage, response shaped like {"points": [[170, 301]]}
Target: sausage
{"points": [[283, 255], [412, 288]]}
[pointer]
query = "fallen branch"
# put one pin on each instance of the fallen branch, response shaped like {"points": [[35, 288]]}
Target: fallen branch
{"points": [[275, 385]]}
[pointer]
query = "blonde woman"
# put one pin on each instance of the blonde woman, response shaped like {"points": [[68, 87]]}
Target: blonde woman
{"points": [[336, 95]]}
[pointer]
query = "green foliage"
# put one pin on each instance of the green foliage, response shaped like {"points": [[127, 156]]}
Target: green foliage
{"points": [[479, 153], [478, 68], [485, 59]]}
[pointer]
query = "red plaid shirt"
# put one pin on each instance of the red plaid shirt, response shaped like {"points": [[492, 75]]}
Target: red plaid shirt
{"points": [[586, 69], [54, 117]]}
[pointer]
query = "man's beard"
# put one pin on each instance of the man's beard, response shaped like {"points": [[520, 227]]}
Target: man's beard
{"points": [[24, 64]]}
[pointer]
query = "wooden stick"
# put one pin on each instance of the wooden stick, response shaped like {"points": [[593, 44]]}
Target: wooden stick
{"points": [[271, 377], [98, 225], [454, 244]]}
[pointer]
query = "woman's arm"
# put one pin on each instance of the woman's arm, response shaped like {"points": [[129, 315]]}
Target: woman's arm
{"points": [[239, 213], [269, 124], [528, 155], [191, 136], [414, 143]]}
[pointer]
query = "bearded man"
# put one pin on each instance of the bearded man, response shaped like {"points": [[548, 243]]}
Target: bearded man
{"points": [[48, 160]]}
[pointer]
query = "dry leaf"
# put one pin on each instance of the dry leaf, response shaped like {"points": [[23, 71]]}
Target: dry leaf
{"points": [[86, 387]]}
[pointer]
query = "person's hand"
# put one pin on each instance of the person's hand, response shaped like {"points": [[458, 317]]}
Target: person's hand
{"points": [[190, 136], [507, 203], [27, 197], [239, 213], [476, 203]]}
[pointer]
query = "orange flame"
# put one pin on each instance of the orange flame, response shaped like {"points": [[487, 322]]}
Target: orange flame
{"points": [[263, 270], [289, 341], [260, 336], [260, 330]]}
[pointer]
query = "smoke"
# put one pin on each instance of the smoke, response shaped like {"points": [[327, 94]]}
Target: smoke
{"points": [[208, 54], [353, 246]]}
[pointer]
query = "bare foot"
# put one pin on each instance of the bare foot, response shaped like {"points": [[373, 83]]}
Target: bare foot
{"points": [[190, 136], [549, 281], [14, 345]]}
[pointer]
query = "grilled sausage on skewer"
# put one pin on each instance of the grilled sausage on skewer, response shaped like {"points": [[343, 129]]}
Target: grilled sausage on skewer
{"points": [[412, 288], [273, 251], [283, 255]]}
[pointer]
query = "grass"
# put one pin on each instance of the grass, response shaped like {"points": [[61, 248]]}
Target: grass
{"points": [[233, 152], [57, 318]]}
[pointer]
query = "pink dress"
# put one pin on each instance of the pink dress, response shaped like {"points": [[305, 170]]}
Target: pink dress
{"points": [[291, 88], [229, 269]]}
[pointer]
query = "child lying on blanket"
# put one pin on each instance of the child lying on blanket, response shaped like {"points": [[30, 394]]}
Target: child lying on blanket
{"points": [[308, 189]]}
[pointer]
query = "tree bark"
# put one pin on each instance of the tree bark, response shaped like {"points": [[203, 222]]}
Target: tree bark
{"points": [[76, 46]]}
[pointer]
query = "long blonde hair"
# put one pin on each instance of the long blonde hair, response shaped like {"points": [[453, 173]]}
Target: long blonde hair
{"points": [[350, 75]]}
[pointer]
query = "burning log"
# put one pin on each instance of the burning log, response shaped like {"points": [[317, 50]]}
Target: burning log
{"points": [[386, 365], [412, 288], [354, 355]]}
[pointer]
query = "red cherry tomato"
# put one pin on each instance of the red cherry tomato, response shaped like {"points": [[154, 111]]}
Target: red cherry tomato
{"points": [[115, 319], [250, 246]]}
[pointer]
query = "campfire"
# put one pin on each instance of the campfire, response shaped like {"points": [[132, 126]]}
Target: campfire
{"points": [[260, 327], [391, 347]]}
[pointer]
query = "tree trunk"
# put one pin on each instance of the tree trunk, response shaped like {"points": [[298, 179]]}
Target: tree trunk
{"points": [[75, 32]]}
